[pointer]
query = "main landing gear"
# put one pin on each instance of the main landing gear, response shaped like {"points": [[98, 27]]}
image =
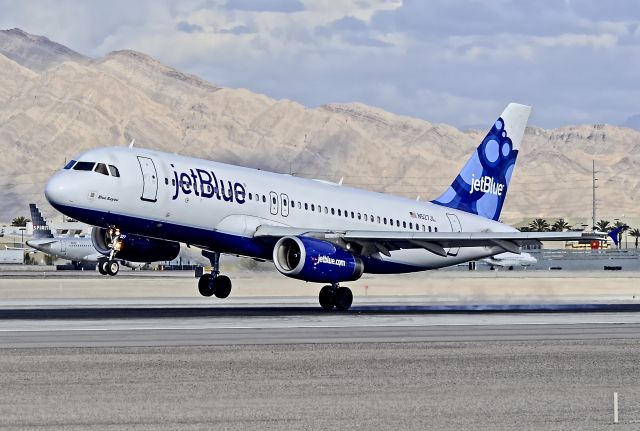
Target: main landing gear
{"points": [[110, 266], [335, 296], [214, 283]]}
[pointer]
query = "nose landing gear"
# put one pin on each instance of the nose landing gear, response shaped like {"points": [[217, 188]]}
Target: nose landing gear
{"points": [[336, 296], [214, 283], [111, 266]]}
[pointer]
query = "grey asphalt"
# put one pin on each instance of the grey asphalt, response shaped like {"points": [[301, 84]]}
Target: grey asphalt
{"points": [[140, 353], [497, 385], [310, 370]]}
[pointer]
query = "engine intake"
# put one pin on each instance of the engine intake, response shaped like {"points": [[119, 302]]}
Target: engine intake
{"points": [[135, 248], [315, 260]]}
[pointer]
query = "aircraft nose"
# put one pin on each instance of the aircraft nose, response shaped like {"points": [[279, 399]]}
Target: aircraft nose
{"points": [[56, 189]]}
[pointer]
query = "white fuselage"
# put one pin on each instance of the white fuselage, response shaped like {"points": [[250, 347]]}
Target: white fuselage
{"points": [[219, 206], [509, 260], [72, 248]]}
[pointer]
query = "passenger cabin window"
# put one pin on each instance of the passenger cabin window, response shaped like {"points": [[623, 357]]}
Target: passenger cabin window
{"points": [[101, 168], [84, 166], [264, 199], [70, 164], [114, 171]]}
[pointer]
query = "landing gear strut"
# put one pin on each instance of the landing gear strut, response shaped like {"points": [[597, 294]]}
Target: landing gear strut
{"points": [[214, 283], [337, 296], [109, 265]]}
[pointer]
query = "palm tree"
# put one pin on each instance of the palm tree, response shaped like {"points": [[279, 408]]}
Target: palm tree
{"points": [[20, 221], [603, 225], [560, 225], [539, 225], [636, 234]]}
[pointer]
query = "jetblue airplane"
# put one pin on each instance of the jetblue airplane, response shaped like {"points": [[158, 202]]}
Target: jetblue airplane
{"points": [[74, 248], [145, 202]]}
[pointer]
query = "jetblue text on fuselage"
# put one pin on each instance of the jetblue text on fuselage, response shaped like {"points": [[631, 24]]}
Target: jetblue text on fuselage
{"points": [[206, 184], [486, 184]]}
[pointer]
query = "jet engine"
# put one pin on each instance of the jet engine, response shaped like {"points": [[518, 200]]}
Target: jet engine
{"points": [[134, 248], [315, 260]]}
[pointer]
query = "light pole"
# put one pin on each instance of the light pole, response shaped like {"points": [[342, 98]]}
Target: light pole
{"points": [[22, 229]]}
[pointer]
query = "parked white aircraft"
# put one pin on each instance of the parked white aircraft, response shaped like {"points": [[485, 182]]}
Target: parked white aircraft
{"points": [[75, 249], [510, 260], [312, 230]]}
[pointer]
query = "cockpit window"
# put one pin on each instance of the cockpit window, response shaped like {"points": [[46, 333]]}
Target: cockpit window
{"points": [[101, 168], [114, 171], [70, 164], [84, 166]]}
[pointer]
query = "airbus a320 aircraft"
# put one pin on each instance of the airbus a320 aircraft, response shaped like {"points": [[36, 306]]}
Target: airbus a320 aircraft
{"points": [[311, 230]]}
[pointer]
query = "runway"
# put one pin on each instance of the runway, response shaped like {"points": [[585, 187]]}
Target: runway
{"points": [[106, 325], [96, 354]]}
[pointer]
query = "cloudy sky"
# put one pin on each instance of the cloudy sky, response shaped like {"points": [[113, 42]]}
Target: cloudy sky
{"points": [[459, 62]]}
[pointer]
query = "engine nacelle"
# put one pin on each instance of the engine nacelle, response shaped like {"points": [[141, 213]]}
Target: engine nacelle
{"points": [[135, 248], [315, 260]]}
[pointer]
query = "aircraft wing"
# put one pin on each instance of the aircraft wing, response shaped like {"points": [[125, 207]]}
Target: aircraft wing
{"points": [[436, 242]]}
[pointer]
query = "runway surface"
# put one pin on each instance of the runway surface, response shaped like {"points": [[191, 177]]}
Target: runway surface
{"points": [[106, 326], [112, 361]]}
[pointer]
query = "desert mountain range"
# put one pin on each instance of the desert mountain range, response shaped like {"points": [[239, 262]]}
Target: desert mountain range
{"points": [[55, 102]]}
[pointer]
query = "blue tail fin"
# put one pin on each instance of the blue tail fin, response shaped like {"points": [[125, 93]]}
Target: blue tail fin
{"points": [[481, 186], [615, 234]]}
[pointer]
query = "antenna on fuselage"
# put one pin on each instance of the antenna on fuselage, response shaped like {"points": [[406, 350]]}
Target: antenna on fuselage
{"points": [[341, 180], [418, 198], [132, 142]]}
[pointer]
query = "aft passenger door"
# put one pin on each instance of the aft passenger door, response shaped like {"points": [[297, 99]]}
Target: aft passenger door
{"points": [[455, 227], [284, 205], [149, 179]]}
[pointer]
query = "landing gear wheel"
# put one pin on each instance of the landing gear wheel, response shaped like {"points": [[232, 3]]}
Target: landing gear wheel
{"points": [[205, 285], [343, 298], [222, 287], [102, 267], [112, 267], [326, 297]]}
